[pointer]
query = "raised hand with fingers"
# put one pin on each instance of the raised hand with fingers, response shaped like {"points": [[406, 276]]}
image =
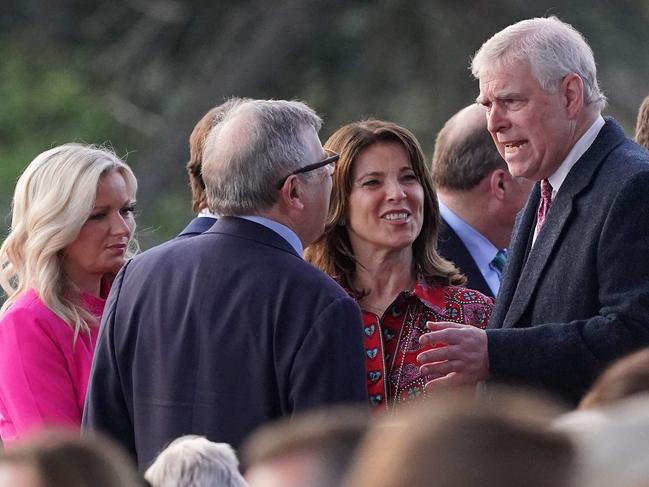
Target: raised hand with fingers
{"points": [[462, 360]]}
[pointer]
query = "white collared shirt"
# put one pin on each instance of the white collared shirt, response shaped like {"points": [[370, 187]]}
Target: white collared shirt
{"points": [[207, 214], [481, 249], [579, 149]]}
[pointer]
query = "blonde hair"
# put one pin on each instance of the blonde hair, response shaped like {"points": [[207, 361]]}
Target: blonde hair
{"points": [[53, 199]]}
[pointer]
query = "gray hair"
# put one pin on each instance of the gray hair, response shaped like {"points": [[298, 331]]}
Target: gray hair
{"points": [[464, 151], [553, 49], [255, 145], [194, 461]]}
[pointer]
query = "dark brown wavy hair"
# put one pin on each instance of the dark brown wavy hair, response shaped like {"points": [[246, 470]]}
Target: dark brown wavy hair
{"points": [[332, 252]]}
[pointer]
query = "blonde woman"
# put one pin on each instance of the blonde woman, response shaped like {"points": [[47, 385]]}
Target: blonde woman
{"points": [[71, 231]]}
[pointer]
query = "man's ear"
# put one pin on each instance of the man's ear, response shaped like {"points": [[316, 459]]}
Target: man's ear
{"points": [[292, 193], [498, 181], [572, 91]]}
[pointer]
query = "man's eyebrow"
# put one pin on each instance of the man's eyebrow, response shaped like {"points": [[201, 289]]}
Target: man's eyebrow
{"points": [[503, 95]]}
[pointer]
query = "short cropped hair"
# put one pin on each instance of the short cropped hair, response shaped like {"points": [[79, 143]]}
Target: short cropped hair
{"points": [[464, 151], [452, 441], [62, 459], [332, 434], [642, 125], [194, 461], [552, 48], [255, 145], [53, 199], [196, 143]]}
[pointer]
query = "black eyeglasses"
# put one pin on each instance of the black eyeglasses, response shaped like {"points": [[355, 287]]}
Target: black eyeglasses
{"points": [[331, 158]]}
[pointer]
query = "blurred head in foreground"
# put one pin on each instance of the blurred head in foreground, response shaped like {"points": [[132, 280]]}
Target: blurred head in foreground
{"points": [[194, 461], [57, 459], [457, 440], [623, 378], [312, 449]]}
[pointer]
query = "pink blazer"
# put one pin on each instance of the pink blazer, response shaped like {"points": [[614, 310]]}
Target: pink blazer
{"points": [[43, 371]]}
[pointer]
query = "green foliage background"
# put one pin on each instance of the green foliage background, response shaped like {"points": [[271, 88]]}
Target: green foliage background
{"points": [[45, 102], [138, 74]]}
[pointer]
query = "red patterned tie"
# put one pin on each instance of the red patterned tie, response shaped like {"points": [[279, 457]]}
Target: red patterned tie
{"points": [[544, 205]]}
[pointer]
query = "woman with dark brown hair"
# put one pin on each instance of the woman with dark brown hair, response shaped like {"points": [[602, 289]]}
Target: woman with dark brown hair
{"points": [[380, 244]]}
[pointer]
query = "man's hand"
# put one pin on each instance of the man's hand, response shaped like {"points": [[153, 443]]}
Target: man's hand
{"points": [[462, 360]]}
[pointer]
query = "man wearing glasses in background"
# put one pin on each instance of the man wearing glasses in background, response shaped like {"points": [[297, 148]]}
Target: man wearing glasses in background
{"points": [[216, 334]]}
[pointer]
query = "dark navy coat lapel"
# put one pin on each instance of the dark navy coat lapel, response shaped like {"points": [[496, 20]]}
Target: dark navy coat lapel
{"points": [[516, 255], [451, 247], [522, 287]]}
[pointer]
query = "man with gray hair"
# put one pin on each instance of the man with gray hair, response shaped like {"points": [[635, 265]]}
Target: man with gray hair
{"points": [[216, 334], [195, 461], [478, 199], [575, 292], [204, 218]]}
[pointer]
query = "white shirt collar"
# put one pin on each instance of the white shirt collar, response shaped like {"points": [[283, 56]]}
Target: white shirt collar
{"points": [[207, 213], [578, 150]]}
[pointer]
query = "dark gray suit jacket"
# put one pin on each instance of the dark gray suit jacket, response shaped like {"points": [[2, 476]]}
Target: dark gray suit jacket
{"points": [[451, 247], [579, 298], [216, 334]]}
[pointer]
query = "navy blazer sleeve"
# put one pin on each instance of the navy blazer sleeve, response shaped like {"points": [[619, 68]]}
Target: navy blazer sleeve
{"points": [[566, 356], [106, 408], [330, 345]]}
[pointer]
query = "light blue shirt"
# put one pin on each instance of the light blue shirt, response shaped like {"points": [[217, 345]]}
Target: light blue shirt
{"points": [[481, 249], [282, 230]]}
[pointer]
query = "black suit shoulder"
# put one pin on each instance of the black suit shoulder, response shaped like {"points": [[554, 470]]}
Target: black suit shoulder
{"points": [[451, 247]]}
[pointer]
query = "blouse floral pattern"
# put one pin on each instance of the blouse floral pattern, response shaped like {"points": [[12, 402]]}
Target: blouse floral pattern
{"points": [[392, 340]]}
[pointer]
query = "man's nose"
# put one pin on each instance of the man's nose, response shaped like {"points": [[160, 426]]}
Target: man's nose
{"points": [[496, 119]]}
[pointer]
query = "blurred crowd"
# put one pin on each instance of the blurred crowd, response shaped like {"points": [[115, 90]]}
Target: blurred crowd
{"points": [[347, 314]]}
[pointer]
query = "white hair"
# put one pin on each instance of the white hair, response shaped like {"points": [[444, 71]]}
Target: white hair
{"points": [[194, 461], [552, 48], [53, 199], [250, 150]]}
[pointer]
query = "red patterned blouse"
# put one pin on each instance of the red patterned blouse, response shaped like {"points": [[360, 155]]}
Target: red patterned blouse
{"points": [[392, 341]]}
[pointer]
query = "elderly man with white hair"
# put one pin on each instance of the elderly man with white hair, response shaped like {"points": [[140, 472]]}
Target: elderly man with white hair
{"points": [[575, 291], [195, 461]]}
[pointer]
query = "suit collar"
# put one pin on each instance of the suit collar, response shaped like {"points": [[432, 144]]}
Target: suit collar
{"points": [[451, 247], [250, 230], [578, 150], [197, 226], [531, 269]]}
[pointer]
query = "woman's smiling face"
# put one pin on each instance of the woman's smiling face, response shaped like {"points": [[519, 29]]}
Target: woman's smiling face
{"points": [[386, 203]]}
